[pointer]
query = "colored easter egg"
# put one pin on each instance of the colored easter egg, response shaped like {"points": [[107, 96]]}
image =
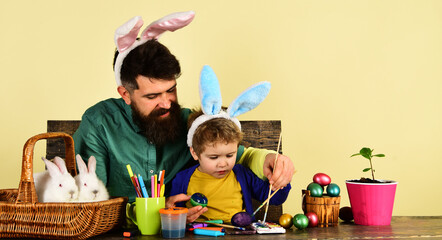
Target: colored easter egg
{"points": [[313, 219], [346, 214], [198, 199], [241, 219], [315, 189], [333, 190], [300, 221], [321, 179], [286, 220]]}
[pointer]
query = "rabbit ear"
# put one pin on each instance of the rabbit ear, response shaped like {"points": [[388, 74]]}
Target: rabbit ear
{"points": [[170, 22], [210, 92], [91, 163], [249, 99], [127, 33], [82, 168], [60, 164], [53, 170]]}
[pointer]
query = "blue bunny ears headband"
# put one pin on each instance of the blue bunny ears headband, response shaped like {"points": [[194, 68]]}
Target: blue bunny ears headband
{"points": [[211, 101]]}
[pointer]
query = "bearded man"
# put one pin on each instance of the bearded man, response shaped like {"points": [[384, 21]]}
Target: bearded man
{"points": [[147, 129]]}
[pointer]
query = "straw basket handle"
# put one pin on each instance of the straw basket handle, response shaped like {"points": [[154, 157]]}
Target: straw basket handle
{"points": [[26, 189]]}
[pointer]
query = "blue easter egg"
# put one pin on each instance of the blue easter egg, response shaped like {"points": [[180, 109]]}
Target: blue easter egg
{"points": [[198, 199], [333, 190]]}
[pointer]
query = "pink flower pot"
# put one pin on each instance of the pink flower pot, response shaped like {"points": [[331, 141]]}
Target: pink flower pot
{"points": [[371, 203]]}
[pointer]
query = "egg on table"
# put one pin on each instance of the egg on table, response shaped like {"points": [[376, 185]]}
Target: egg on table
{"points": [[300, 221], [346, 214], [241, 219], [313, 219], [286, 220]]}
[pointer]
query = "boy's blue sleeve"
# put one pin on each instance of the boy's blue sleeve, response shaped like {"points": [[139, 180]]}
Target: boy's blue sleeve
{"points": [[260, 189], [177, 187]]}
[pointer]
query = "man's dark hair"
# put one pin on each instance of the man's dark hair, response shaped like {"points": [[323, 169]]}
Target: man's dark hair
{"points": [[151, 59]]}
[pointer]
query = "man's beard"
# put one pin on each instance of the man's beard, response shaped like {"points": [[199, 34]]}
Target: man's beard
{"points": [[157, 130]]}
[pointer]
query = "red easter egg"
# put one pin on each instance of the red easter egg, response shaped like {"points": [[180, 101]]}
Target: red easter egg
{"points": [[322, 179], [312, 219], [346, 214]]}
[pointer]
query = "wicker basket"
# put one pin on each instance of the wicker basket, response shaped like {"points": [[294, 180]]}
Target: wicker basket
{"points": [[22, 216], [326, 208]]}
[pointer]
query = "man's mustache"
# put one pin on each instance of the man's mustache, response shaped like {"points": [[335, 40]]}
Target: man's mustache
{"points": [[159, 112]]}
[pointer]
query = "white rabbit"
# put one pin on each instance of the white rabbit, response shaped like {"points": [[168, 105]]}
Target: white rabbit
{"points": [[55, 184], [91, 188]]}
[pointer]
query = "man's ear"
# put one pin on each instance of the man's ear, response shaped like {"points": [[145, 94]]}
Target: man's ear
{"points": [[194, 155], [124, 93]]}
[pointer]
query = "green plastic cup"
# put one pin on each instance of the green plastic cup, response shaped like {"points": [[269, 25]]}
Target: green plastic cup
{"points": [[144, 212]]}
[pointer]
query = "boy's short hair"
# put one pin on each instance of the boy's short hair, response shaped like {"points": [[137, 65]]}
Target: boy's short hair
{"points": [[213, 131], [151, 59]]}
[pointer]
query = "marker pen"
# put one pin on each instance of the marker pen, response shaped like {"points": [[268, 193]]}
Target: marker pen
{"points": [[206, 232], [143, 187]]}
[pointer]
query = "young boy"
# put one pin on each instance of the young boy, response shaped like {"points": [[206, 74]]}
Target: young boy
{"points": [[229, 187]]}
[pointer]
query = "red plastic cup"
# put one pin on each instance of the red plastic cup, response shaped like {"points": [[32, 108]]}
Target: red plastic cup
{"points": [[371, 203]]}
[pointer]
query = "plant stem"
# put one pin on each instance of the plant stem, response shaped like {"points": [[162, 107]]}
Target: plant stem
{"points": [[372, 171]]}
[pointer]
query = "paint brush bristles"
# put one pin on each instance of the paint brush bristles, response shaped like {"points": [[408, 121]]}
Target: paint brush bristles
{"points": [[274, 167]]}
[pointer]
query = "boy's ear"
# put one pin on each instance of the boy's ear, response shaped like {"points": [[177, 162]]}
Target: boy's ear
{"points": [[194, 155]]}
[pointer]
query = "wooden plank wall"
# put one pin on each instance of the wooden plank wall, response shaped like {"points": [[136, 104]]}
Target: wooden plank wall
{"points": [[258, 134]]}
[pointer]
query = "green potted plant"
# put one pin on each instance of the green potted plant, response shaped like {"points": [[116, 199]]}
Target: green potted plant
{"points": [[371, 199]]}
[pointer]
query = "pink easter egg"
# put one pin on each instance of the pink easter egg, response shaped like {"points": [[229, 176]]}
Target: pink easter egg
{"points": [[322, 179]]}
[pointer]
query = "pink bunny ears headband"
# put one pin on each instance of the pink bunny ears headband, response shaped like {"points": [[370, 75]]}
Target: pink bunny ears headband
{"points": [[126, 35]]}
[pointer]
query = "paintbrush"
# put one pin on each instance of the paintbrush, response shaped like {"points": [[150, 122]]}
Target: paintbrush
{"points": [[270, 187], [223, 225], [268, 199]]}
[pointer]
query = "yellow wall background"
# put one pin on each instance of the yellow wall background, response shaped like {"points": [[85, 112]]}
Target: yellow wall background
{"points": [[344, 74]]}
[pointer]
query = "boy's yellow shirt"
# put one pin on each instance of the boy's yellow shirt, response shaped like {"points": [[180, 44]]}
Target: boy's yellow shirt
{"points": [[224, 195]]}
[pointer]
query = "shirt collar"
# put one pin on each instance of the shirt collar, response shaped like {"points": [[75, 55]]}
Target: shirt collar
{"points": [[128, 113]]}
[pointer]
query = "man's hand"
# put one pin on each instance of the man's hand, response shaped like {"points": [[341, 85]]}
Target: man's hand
{"points": [[283, 171], [193, 213]]}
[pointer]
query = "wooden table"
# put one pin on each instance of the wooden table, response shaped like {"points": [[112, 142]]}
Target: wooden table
{"points": [[400, 228]]}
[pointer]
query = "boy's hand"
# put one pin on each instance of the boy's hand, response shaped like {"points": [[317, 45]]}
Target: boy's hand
{"points": [[283, 173], [193, 213]]}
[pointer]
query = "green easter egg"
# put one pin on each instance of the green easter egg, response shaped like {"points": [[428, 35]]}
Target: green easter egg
{"points": [[315, 189], [300, 221]]}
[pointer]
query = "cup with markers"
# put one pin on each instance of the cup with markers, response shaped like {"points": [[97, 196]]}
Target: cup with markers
{"points": [[144, 212]]}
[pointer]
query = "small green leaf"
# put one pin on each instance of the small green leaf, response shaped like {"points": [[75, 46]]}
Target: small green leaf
{"points": [[366, 153], [379, 155], [357, 154], [366, 169]]}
